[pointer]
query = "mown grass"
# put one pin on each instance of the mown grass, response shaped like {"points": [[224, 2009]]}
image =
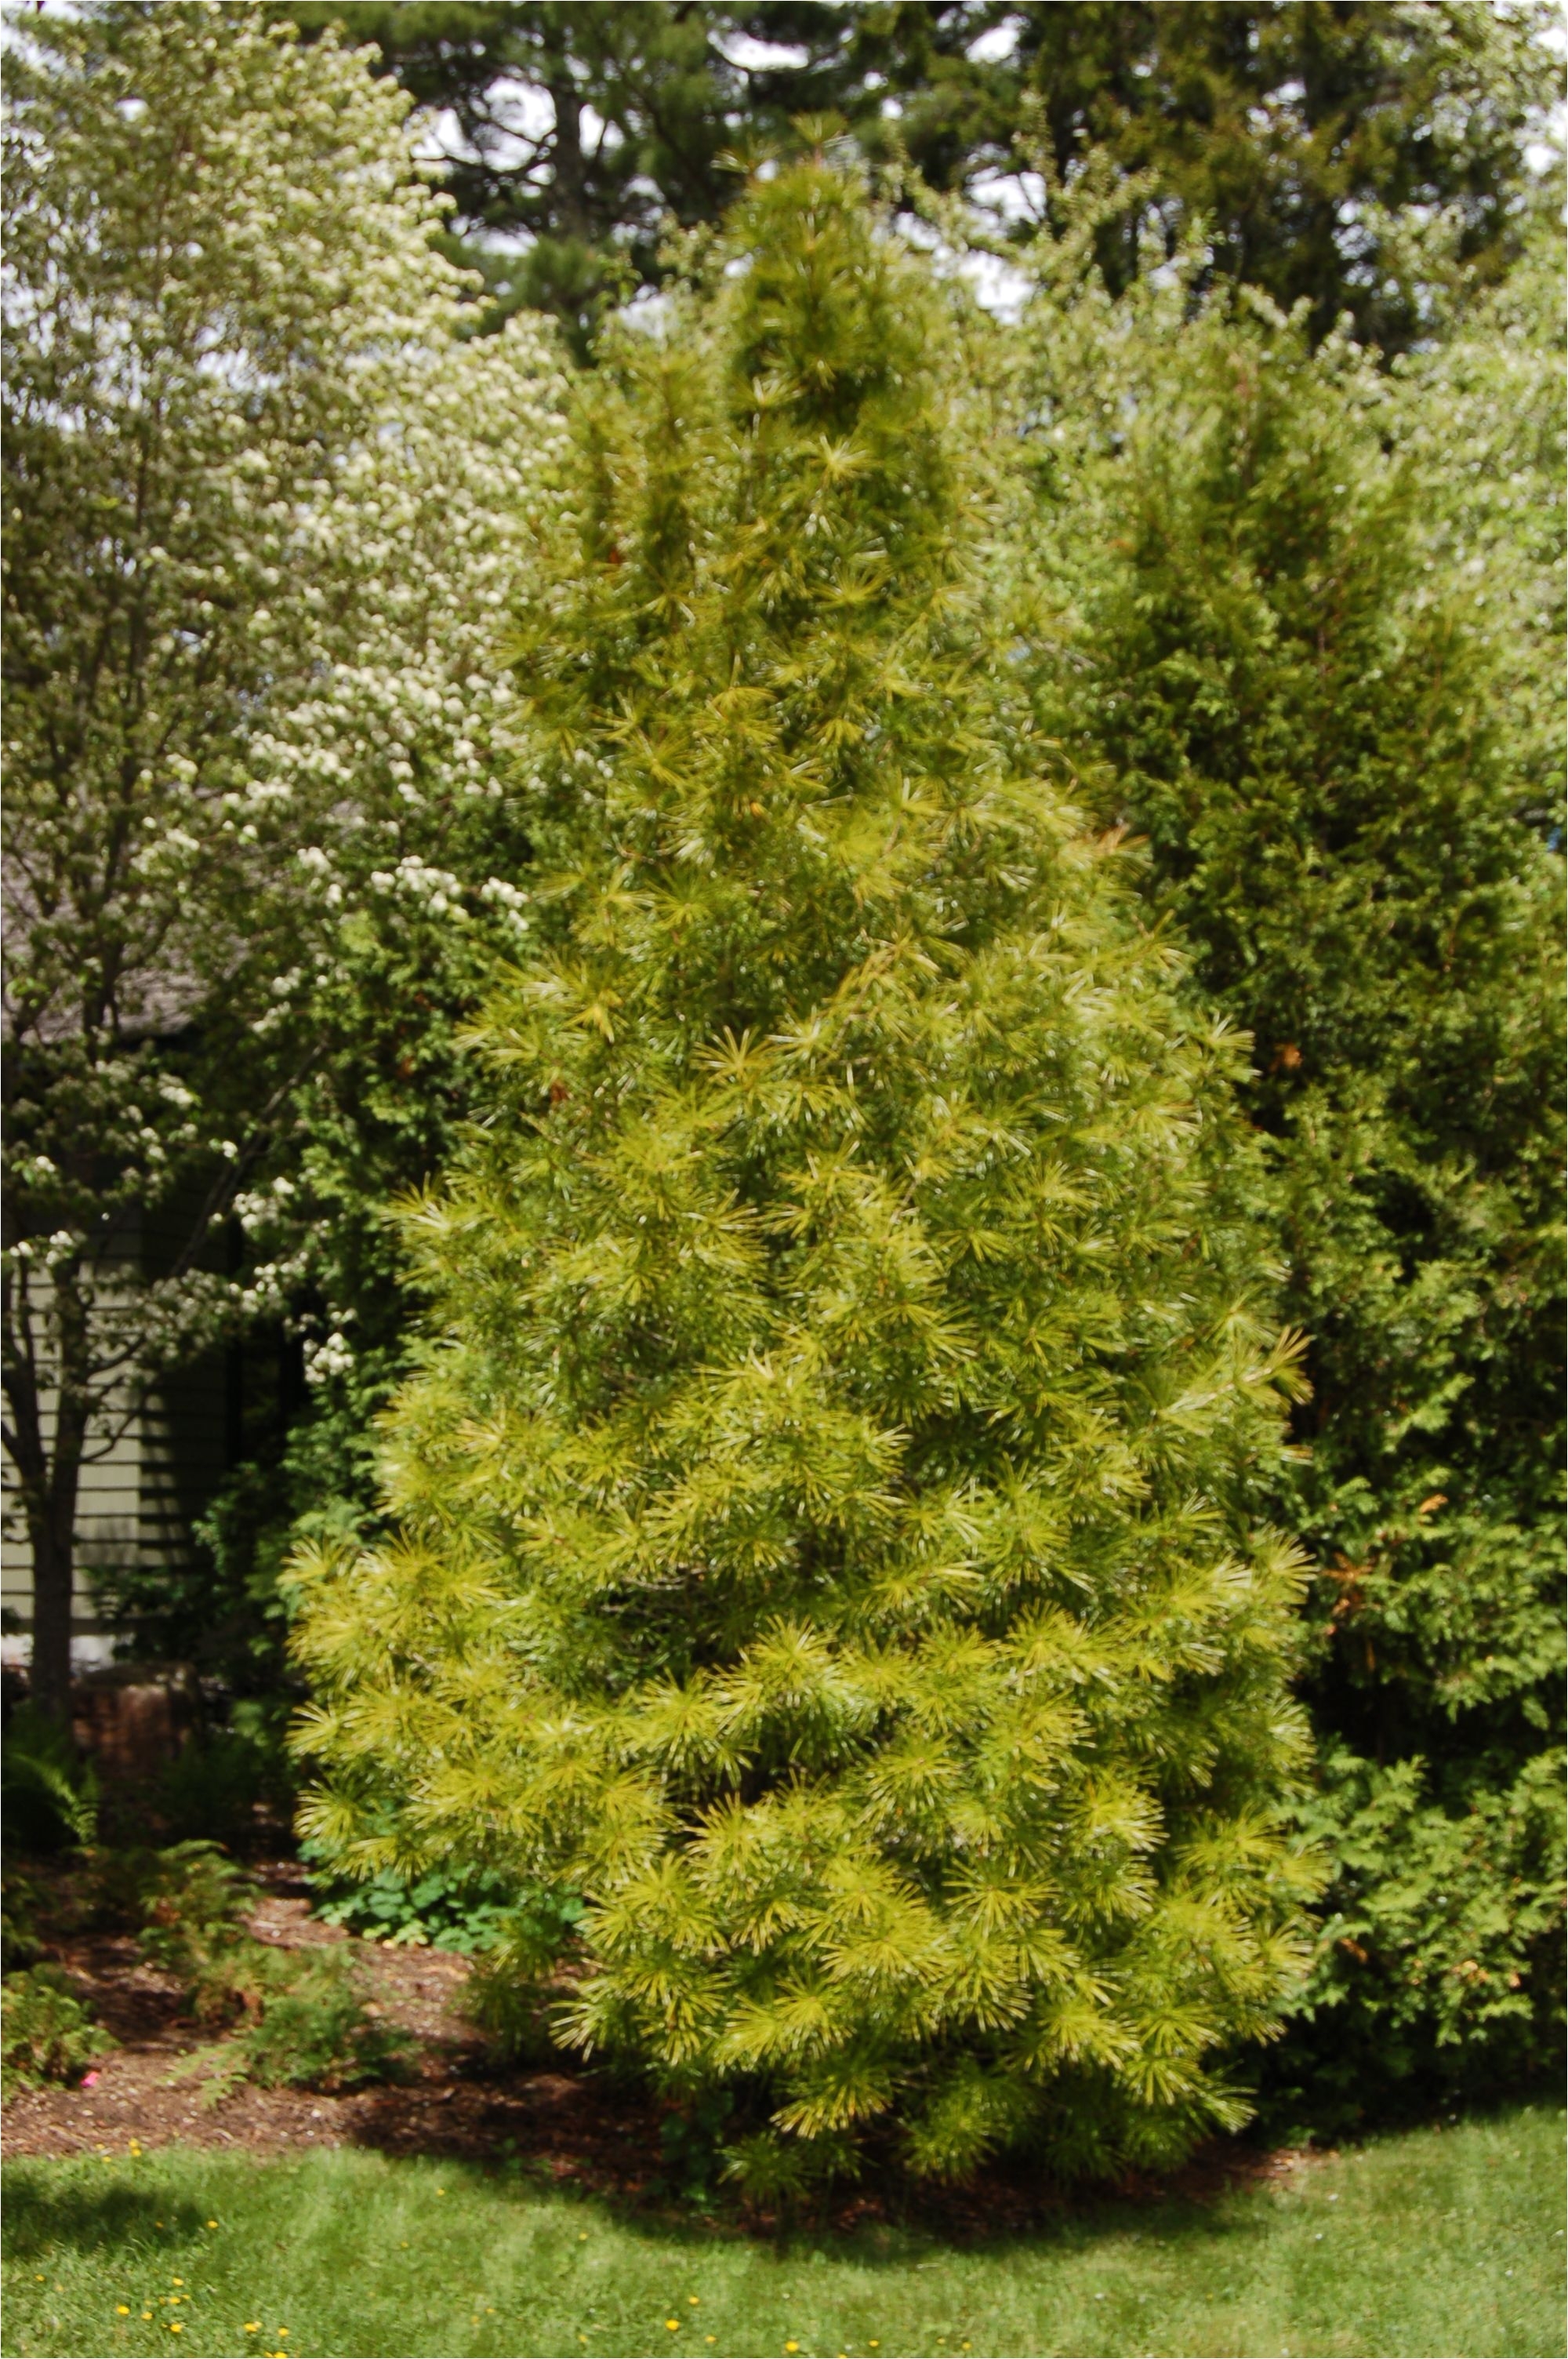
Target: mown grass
{"points": [[1441, 2241]]}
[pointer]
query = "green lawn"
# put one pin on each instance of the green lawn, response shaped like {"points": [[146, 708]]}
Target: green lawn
{"points": [[1440, 2242]]}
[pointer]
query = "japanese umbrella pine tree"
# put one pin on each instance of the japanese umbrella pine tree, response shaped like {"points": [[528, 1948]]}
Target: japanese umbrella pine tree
{"points": [[821, 1530]]}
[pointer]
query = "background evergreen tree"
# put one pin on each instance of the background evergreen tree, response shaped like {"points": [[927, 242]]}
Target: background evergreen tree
{"points": [[1299, 133], [1312, 657], [1293, 135], [824, 1522], [572, 131]]}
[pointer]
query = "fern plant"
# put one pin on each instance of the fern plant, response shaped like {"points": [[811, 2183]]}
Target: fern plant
{"points": [[47, 2033], [824, 1524]]}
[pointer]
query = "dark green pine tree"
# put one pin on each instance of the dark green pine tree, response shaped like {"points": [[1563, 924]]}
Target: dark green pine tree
{"points": [[1304, 656], [1303, 135], [823, 1529]]}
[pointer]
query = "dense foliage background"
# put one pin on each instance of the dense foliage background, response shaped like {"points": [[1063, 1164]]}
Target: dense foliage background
{"points": [[1291, 659], [1242, 543]]}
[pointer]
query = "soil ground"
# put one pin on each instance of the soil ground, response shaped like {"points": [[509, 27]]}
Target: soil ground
{"points": [[455, 2102]]}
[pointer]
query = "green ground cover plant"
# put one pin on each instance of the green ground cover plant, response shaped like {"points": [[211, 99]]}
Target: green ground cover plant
{"points": [[1439, 2240], [466, 1910]]}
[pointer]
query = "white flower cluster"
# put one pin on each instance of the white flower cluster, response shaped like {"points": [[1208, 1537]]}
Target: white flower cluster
{"points": [[509, 899], [262, 1208], [331, 1358], [436, 889]]}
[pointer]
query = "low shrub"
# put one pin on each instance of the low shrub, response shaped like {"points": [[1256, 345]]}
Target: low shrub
{"points": [[317, 2029], [1438, 1975], [20, 1942], [46, 2032], [193, 1903], [309, 2025]]}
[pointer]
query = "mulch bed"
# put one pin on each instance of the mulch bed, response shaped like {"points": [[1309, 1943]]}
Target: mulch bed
{"points": [[575, 2127], [453, 2105]]}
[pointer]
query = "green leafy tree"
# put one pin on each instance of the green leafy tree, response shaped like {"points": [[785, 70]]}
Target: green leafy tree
{"points": [[1308, 649], [263, 514], [824, 1518]]}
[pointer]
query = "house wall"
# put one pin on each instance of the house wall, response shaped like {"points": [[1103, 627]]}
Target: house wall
{"points": [[146, 1478]]}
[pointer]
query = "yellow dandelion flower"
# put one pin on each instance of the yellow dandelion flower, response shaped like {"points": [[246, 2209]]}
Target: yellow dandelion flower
{"points": [[693, 2300], [253, 2326], [792, 2346], [177, 2281], [146, 2313], [674, 2326], [211, 2224], [122, 2310], [175, 2327]]}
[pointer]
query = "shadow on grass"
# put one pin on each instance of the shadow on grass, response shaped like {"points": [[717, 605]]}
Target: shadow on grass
{"points": [[904, 2223], [43, 2211], [597, 2135]]}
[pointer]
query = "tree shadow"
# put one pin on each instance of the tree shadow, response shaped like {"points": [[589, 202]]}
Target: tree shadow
{"points": [[594, 2138], [43, 2211]]}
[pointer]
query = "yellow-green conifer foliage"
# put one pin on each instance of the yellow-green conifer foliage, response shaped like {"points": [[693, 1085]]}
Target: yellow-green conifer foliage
{"points": [[820, 1527]]}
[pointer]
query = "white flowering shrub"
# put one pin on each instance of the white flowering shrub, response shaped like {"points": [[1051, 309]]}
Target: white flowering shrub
{"points": [[264, 507]]}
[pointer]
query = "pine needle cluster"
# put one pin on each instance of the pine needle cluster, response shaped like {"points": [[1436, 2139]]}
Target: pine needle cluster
{"points": [[824, 1529]]}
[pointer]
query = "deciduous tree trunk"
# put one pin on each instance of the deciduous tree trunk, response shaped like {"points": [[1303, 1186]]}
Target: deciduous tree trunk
{"points": [[49, 1473]]}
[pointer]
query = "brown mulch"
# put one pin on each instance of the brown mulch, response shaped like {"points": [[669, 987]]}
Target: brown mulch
{"points": [[564, 2123], [454, 2104]]}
